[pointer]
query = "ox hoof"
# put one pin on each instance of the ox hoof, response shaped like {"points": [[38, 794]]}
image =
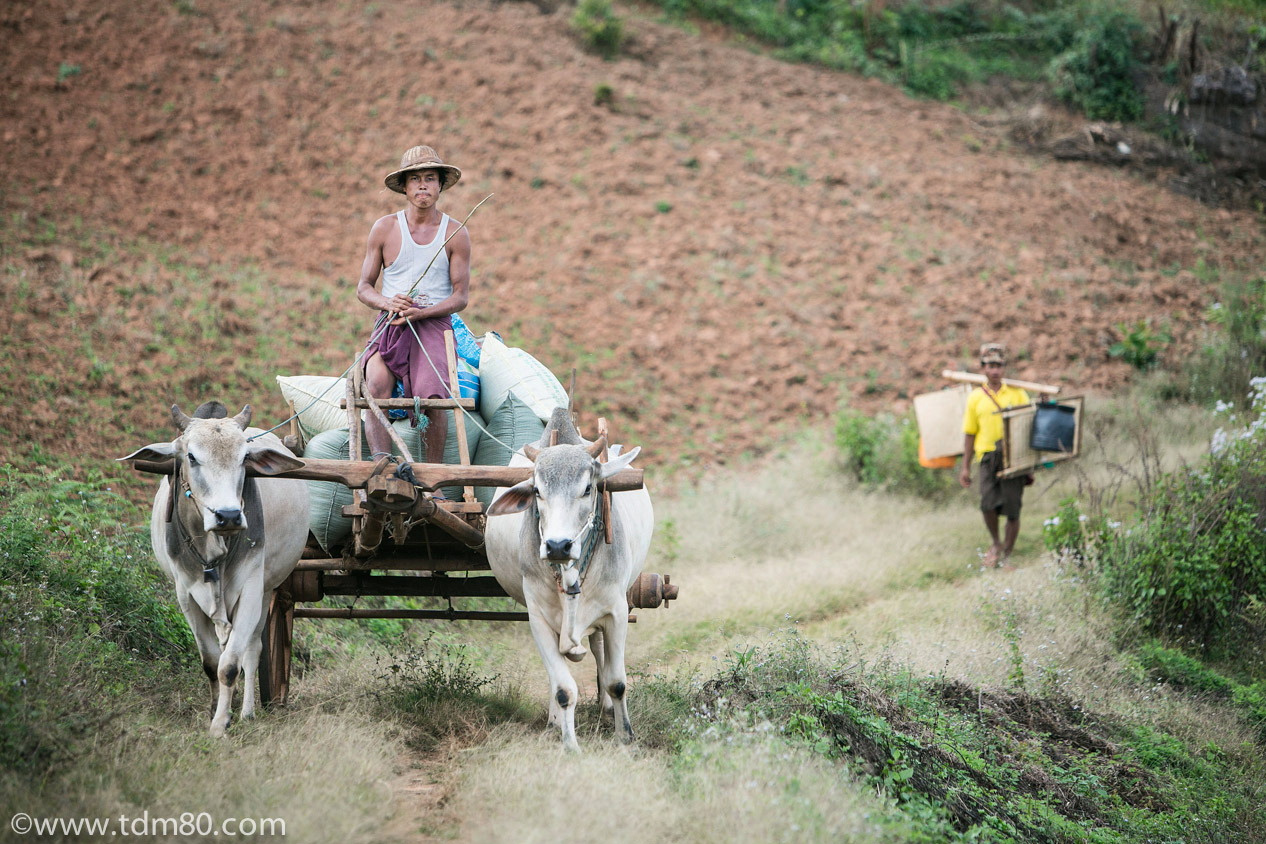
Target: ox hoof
{"points": [[576, 654]]}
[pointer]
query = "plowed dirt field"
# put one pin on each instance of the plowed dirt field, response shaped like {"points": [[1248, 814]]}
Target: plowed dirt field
{"points": [[725, 248]]}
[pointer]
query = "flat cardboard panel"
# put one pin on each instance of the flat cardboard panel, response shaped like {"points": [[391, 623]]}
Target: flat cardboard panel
{"points": [[940, 419], [1017, 427]]}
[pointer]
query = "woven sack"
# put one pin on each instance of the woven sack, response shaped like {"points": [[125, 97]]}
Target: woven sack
{"points": [[316, 399], [468, 380], [503, 369], [466, 344], [515, 424]]}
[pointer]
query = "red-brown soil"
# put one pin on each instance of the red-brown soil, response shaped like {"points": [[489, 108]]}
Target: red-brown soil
{"points": [[726, 250]]}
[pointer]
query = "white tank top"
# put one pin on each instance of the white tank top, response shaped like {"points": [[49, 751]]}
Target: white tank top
{"points": [[436, 286]]}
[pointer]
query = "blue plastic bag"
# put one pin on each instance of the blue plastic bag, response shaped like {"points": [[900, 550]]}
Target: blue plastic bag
{"points": [[398, 393], [467, 348], [468, 381]]}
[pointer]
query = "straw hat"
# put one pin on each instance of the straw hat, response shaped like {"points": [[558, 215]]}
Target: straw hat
{"points": [[422, 158], [993, 353]]}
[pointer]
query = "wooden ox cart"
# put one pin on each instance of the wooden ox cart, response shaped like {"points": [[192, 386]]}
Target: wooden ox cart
{"points": [[404, 542]]}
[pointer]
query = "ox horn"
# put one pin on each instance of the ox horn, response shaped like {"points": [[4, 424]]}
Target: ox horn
{"points": [[595, 448], [530, 452], [243, 419], [178, 416]]}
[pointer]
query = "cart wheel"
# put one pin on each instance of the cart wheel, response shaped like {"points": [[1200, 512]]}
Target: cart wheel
{"points": [[274, 659]]}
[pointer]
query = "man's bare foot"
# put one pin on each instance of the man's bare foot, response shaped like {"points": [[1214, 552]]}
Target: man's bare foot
{"points": [[991, 557]]}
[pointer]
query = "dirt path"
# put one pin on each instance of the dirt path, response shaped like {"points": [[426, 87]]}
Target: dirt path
{"points": [[420, 790]]}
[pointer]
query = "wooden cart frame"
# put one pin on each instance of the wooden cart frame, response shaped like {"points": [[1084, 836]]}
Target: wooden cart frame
{"points": [[404, 542]]}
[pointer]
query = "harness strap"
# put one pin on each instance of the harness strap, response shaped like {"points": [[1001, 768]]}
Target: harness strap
{"points": [[210, 568], [586, 555]]}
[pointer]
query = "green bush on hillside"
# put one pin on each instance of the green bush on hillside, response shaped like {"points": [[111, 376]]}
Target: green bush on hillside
{"points": [[968, 764], [1096, 73], [1226, 364], [882, 452], [1193, 567], [86, 616], [934, 51], [599, 27], [1183, 671]]}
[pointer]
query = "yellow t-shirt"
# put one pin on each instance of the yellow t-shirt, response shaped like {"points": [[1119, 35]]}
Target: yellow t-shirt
{"points": [[983, 419]]}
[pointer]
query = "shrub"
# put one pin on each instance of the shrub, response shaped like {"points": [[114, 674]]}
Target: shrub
{"points": [[935, 49], [883, 453], [935, 74], [603, 94], [1194, 566], [1071, 534], [441, 691], [1186, 672], [87, 618], [599, 27], [65, 71], [59, 538], [1237, 350], [1139, 346], [1096, 73], [968, 764]]}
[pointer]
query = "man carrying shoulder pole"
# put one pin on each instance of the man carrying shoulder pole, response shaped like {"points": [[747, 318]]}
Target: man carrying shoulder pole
{"points": [[982, 436]]}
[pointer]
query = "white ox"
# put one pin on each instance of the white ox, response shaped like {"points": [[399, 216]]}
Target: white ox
{"points": [[229, 541], [545, 546]]}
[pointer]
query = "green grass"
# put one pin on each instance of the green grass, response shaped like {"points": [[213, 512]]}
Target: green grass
{"points": [[963, 763], [1087, 52]]}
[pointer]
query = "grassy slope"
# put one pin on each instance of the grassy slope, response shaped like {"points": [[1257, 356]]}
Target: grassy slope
{"points": [[878, 580], [892, 593]]}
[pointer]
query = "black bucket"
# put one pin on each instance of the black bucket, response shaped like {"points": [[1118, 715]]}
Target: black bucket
{"points": [[1054, 428]]}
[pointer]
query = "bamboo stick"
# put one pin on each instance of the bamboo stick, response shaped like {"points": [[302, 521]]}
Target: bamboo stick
{"points": [[463, 447], [977, 378], [391, 432], [409, 404]]}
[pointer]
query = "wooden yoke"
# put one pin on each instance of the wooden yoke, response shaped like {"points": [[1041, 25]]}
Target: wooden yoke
{"points": [[429, 476]]}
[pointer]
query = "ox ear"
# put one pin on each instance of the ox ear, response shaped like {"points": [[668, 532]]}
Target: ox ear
{"points": [[157, 452], [516, 499], [618, 464], [265, 459], [243, 419]]}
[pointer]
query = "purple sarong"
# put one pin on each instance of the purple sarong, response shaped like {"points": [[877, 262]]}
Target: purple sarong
{"points": [[423, 376]]}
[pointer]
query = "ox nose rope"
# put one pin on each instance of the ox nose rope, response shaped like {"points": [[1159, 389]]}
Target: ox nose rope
{"points": [[210, 568], [594, 529]]}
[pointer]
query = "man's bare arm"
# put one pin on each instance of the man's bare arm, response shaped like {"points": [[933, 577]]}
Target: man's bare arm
{"points": [[371, 268], [969, 451]]}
